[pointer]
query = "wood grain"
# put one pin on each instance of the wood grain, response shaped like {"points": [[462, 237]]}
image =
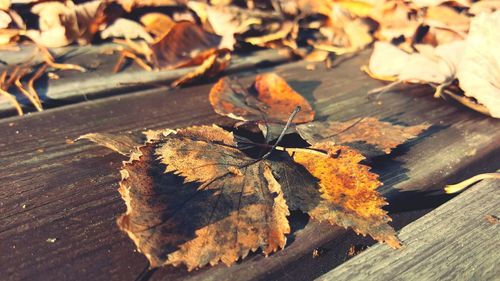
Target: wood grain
{"points": [[100, 80], [53, 188], [453, 242]]}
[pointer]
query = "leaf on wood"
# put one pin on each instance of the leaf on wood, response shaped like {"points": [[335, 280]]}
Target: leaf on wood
{"points": [[123, 144], [62, 23], [227, 21], [396, 19], [129, 5], [8, 36], [280, 33], [125, 28], [186, 44], [157, 24], [236, 208], [194, 198], [270, 98], [479, 70], [438, 65], [345, 32], [212, 66], [5, 19], [383, 135], [348, 191]]}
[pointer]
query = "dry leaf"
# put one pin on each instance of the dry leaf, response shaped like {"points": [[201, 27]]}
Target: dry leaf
{"points": [[5, 19], [62, 23], [485, 6], [227, 21], [396, 19], [212, 66], [129, 5], [123, 144], [157, 24], [194, 198], [383, 135], [186, 44], [125, 28], [432, 3], [479, 70], [4, 5], [345, 32], [272, 100], [438, 65]]}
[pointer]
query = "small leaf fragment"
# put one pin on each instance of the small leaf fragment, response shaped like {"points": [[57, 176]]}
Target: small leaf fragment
{"points": [[123, 144]]}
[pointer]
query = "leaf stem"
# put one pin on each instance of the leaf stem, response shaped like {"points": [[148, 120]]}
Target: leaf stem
{"points": [[288, 123], [454, 188]]}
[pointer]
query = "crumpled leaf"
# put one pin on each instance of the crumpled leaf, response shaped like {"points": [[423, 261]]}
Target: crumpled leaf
{"points": [[233, 212], [194, 198], [433, 65], [186, 44], [383, 135], [125, 28], [272, 99], [157, 24], [227, 21], [212, 66], [62, 23], [396, 19], [5, 19], [479, 70]]}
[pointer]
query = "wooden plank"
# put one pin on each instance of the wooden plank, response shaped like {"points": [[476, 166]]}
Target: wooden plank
{"points": [[100, 80], [453, 242], [69, 190]]}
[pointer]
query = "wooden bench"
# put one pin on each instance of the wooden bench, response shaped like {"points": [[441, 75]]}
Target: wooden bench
{"points": [[59, 199]]}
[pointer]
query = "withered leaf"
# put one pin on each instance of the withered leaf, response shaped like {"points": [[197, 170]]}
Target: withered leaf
{"points": [[270, 99], [237, 208], [185, 44], [383, 135], [62, 23], [212, 66], [194, 198], [123, 144], [479, 70]]}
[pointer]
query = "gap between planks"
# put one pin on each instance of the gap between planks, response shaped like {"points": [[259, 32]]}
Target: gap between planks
{"points": [[456, 242]]}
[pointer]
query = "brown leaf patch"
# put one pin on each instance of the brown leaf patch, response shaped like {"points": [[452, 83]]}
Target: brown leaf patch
{"points": [[383, 135], [185, 44], [212, 66], [271, 99]]}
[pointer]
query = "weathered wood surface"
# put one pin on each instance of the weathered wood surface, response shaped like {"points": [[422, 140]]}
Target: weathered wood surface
{"points": [[454, 242], [69, 190], [99, 80]]}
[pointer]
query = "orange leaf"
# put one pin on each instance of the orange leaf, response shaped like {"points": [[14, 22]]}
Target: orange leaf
{"points": [[272, 100]]}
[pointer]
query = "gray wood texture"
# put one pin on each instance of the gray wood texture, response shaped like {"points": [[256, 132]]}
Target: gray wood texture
{"points": [[53, 188], [100, 80], [454, 242]]}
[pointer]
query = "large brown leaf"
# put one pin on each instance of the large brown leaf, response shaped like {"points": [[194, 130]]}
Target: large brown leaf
{"points": [[194, 198], [185, 44], [271, 99]]}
